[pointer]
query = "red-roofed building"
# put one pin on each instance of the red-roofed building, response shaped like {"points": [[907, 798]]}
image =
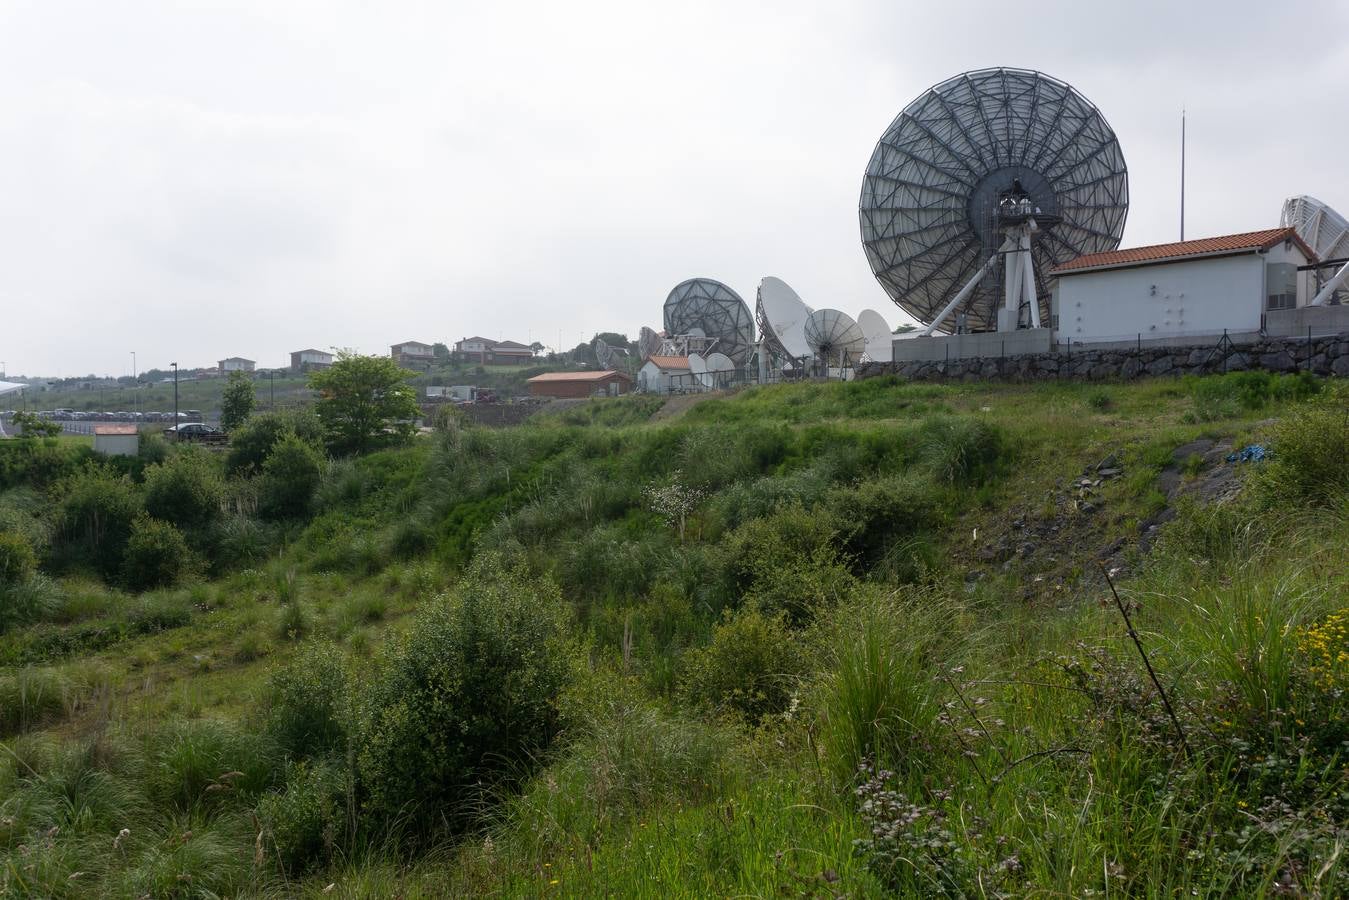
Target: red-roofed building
{"points": [[657, 374], [1188, 289], [572, 385]]}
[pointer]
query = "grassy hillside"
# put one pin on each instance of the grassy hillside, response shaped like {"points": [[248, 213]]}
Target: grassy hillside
{"points": [[815, 640]]}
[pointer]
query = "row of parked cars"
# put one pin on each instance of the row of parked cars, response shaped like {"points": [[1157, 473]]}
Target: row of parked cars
{"points": [[71, 415]]}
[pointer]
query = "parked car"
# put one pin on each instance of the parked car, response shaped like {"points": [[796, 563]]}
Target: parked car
{"points": [[198, 432]]}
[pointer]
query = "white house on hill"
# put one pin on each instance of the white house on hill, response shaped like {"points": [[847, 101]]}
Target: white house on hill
{"points": [[1192, 289]]}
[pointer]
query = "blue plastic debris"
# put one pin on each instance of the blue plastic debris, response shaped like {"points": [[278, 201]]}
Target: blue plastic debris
{"points": [[1250, 453]]}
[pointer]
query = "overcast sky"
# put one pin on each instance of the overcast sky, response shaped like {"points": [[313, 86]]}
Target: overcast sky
{"points": [[195, 180]]}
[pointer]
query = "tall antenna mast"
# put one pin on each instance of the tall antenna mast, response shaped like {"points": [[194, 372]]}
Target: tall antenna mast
{"points": [[1182, 173]]}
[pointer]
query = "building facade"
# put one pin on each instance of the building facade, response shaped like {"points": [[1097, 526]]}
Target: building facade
{"points": [[235, 364], [308, 360], [486, 352], [579, 385], [1192, 289], [413, 355], [660, 374]]}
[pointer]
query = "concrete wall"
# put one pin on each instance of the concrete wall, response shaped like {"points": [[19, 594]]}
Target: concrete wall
{"points": [[967, 346], [1321, 355], [1322, 320], [117, 444], [1199, 296]]}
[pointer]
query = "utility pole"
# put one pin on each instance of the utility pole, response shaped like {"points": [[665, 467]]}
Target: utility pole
{"points": [[1182, 173], [175, 400], [135, 393], [271, 377]]}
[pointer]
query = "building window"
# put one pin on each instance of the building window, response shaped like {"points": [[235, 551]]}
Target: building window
{"points": [[1281, 301], [1281, 286]]}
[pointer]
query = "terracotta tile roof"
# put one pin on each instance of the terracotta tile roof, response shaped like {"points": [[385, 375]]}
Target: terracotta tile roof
{"points": [[578, 376], [114, 429], [670, 362], [1224, 245]]}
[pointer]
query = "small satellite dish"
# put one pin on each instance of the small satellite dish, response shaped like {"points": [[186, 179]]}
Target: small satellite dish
{"points": [[782, 318], [719, 362], [878, 335], [834, 336], [648, 342], [698, 369]]}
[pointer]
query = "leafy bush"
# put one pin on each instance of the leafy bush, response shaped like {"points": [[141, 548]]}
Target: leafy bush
{"points": [[187, 489], [306, 822], [18, 562], [237, 401], [94, 518], [877, 513], [253, 442], [751, 667], [787, 562], [1310, 464], [1226, 396], [156, 555], [467, 699], [309, 697], [290, 476]]}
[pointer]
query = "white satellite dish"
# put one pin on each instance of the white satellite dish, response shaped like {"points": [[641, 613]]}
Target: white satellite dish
{"points": [[782, 316], [835, 337], [719, 362], [877, 331], [698, 369], [1324, 229]]}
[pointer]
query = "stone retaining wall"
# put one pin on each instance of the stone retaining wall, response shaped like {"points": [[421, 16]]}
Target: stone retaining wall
{"points": [[1322, 356]]}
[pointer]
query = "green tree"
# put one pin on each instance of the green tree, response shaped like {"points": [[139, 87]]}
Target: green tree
{"points": [[253, 442], [156, 555], [441, 352], [238, 401], [365, 403], [30, 425]]}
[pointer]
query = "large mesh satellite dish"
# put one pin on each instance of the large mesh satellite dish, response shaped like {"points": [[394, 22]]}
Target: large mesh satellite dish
{"points": [[1324, 230], [709, 308], [931, 192], [604, 354], [834, 336]]}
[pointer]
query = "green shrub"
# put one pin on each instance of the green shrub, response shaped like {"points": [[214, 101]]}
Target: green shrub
{"points": [[878, 698], [306, 822], [94, 519], [29, 697], [251, 444], [291, 475], [308, 701], [467, 699], [204, 764], [876, 514], [750, 668], [187, 489], [960, 450], [34, 598], [1310, 462], [18, 562], [156, 555], [787, 562]]}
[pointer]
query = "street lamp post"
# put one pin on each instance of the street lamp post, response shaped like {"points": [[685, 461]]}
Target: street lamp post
{"points": [[175, 400], [271, 377], [134, 393]]}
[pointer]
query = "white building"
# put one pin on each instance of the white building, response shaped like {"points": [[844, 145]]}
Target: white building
{"points": [[1191, 289], [657, 374], [235, 364], [305, 360], [116, 440]]}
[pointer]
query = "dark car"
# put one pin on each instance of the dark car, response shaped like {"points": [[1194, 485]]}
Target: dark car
{"points": [[196, 431]]}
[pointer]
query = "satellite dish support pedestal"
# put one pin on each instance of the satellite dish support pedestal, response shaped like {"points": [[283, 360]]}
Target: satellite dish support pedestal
{"points": [[1020, 277]]}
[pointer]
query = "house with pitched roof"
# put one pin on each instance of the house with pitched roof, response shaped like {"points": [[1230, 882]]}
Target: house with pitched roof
{"points": [[487, 352], [1196, 289]]}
